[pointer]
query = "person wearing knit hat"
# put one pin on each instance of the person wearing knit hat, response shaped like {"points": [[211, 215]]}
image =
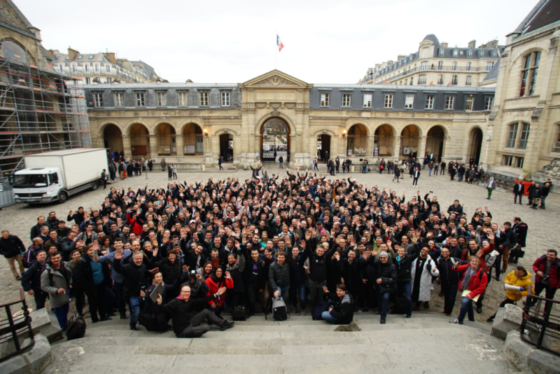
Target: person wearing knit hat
{"points": [[386, 280], [383, 254]]}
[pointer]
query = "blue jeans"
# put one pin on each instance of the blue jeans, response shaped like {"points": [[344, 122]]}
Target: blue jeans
{"points": [[134, 310], [294, 288], [424, 167], [466, 307], [430, 174], [62, 315], [281, 165], [384, 303], [406, 289], [283, 291], [328, 317]]}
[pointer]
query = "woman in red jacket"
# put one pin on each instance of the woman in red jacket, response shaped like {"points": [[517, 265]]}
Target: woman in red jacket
{"points": [[216, 281], [472, 285]]}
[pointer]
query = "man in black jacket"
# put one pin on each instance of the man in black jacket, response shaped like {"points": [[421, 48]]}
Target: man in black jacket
{"points": [[12, 248], [518, 192], [36, 230], [342, 312], [403, 266], [279, 276], [545, 190], [297, 280], [317, 271], [187, 325], [253, 277], [520, 229], [31, 280], [449, 279], [385, 280], [136, 279]]}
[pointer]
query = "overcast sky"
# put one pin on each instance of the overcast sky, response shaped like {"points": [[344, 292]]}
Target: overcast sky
{"points": [[233, 41]]}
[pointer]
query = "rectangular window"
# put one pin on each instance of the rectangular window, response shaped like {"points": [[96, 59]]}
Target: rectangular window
{"points": [[454, 80], [449, 102], [411, 81], [512, 135], [440, 79], [96, 68], [86, 68], [409, 102], [88, 80], [469, 53], [422, 79], [388, 101], [424, 65], [346, 99], [489, 65], [469, 64], [441, 52], [430, 102], [140, 99], [73, 68], [469, 103], [183, 99], [203, 98], [118, 98], [534, 70], [454, 65], [440, 65], [455, 53], [518, 162], [98, 100], [161, 99], [107, 68], [488, 102], [524, 138], [61, 68], [325, 99], [109, 80], [468, 81], [507, 160], [225, 98], [367, 100]]}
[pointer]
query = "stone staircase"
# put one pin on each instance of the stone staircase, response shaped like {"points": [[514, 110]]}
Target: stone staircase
{"points": [[426, 343]]}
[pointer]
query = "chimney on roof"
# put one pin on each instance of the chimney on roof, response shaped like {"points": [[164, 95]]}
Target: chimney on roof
{"points": [[111, 56], [444, 44], [472, 44], [490, 44], [72, 53], [400, 57]]}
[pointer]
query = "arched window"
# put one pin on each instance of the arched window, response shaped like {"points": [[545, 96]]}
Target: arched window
{"points": [[14, 52], [529, 73]]}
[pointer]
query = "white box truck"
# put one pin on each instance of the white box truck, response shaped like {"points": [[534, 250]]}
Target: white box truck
{"points": [[54, 176]]}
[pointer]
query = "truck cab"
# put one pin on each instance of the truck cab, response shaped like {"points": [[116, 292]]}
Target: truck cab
{"points": [[37, 185]]}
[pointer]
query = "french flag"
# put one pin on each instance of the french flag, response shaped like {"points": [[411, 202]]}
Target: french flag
{"points": [[279, 43]]}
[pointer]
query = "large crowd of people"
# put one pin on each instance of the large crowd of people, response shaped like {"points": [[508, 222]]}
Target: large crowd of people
{"points": [[328, 247]]}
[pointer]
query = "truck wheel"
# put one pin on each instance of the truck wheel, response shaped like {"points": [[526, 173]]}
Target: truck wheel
{"points": [[94, 186], [62, 197]]}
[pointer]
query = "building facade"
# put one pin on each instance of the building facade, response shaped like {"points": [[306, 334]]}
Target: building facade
{"points": [[525, 122], [102, 67], [192, 124], [437, 64], [40, 109]]}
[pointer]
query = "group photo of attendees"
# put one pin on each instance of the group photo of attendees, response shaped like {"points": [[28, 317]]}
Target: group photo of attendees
{"points": [[193, 253]]}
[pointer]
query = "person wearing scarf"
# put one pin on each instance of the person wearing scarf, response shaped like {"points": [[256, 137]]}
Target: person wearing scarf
{"points": [[238, 291], [472, 285]]}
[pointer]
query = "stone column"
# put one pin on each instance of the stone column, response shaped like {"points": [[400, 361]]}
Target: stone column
{"points": [[447, 148], [421, 148], [127, 149], [369, 147], [396, 147], [153, 147], [179, 147]]}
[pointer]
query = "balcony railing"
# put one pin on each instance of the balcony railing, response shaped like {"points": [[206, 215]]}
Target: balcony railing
{"points": [[540, 325], [443, 69]]}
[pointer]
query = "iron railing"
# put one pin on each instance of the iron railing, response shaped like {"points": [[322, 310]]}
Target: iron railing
{"points": [[541, 324], [16, 327]]}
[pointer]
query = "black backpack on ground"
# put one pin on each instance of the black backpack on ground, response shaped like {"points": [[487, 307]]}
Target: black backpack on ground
{"points": [[240, 313], [76, 327], [279, 310]]}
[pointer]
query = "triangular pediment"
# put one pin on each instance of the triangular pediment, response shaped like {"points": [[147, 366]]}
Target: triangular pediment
{"points": [[275, 78]]}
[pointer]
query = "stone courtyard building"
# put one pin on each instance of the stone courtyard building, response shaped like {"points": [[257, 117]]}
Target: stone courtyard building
{"points": [[192, 124]]}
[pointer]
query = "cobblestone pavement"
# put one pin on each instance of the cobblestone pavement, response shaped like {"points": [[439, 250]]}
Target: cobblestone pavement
{"points": [[543, 224]]}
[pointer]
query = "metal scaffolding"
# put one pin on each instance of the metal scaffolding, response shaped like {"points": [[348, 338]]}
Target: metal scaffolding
{"points": [[40, 111]]}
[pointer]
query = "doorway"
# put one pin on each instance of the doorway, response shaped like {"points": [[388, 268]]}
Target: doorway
{"points": [[324, 147], [226, 147]]}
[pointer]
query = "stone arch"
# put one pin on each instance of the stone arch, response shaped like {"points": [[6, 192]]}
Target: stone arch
{"points": [[324, 131], [267, 150], [475, 135], [275, 114], [517, 58], [435, 141], [139, 135], [105, 124], [126, 128], [410, 141], [193, 139], [29, 57], [357, 136], [181, 128], [384, 139], [165, 134], [112, 138], [226, 131], [368, 130]]}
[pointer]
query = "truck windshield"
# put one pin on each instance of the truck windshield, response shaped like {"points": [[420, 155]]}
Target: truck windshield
{"points": [[30, 180]]}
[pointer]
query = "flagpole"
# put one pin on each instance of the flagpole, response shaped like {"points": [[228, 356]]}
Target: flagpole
{"points": [[276, 53]]}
